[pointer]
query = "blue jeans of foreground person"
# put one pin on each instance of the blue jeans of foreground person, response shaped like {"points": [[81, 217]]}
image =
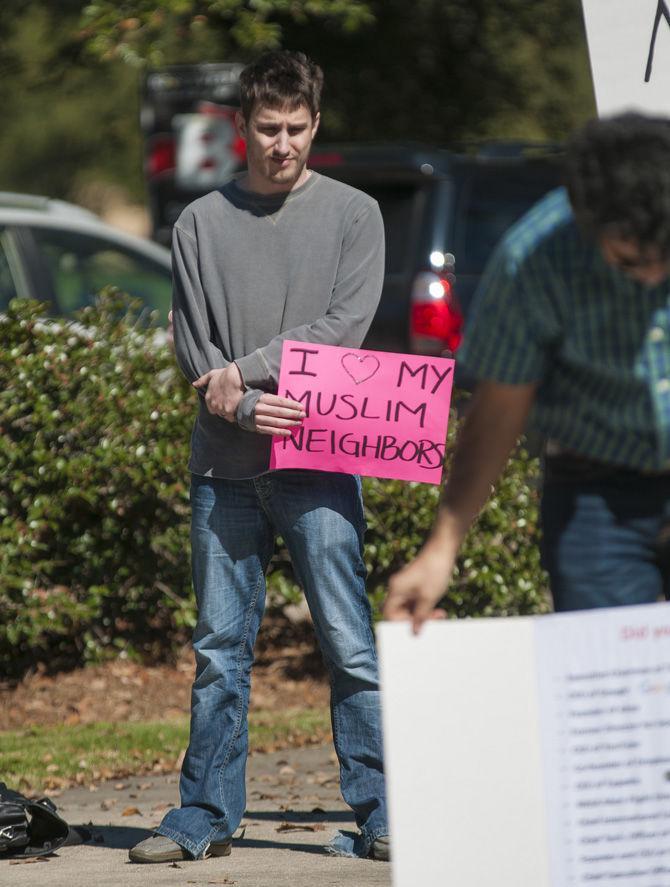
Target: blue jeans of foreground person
{"points": [[234, 522], [606, 534]]}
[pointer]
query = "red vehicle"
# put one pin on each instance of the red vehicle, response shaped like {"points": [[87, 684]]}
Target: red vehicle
{"points": [[191, 142]]}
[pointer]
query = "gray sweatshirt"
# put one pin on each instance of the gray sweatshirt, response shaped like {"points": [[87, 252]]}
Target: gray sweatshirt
{"points": [[250, 271]]}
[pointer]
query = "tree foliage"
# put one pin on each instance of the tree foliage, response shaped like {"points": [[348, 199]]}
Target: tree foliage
{"points": [[432, 70], [67, 118], [176, 30], [439, 71], [444, 72]]}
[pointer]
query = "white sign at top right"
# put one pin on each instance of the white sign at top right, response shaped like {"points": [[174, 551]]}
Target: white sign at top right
{"points": [[629, 47]]}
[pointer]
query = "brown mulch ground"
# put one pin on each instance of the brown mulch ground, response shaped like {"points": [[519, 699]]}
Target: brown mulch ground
{"points": [[289, 673]]}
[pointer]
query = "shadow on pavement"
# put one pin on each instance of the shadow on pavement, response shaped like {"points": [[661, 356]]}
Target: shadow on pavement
{"points": [[301, 816], [116, 837], [261, 844]]}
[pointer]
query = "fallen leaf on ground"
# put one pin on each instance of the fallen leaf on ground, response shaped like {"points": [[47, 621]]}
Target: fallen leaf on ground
{"points": [[299, 827], [106, 692], [31, 861], [131, 811], [220, 881]]}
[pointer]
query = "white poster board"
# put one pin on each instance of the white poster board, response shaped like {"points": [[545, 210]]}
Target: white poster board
{"points": [[530, 751], [629, 48]]}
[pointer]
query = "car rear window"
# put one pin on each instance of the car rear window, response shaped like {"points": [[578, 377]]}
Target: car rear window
{"points": [[401, 204], [489, 203], [398, 205]]}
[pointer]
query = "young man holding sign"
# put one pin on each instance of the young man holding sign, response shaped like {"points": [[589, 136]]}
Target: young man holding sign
{"points": [[281, 253], [572, 319]]}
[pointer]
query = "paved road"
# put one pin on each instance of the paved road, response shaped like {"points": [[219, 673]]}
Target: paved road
{"points": [[293, 808]]}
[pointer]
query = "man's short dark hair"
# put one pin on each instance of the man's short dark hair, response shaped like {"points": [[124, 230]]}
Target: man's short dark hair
{"points": [[281, 79], [618, 177]]}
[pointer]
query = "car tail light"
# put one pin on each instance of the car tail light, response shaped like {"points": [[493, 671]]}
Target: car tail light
{"points": [[161, 157], [436, 321]]}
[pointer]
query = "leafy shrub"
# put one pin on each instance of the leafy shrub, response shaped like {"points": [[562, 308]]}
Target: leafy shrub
{"points": [[95, 423], [93, 486], [498, 571]]}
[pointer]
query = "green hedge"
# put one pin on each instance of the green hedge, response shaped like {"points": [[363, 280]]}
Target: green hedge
{"points": [[95, 423]]}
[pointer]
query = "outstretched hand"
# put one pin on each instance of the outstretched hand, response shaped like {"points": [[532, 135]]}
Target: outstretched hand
{"points": [[415, 590]]}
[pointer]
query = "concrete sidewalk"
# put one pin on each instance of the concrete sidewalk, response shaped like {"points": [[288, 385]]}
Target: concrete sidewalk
{"points": [[293, 808]]}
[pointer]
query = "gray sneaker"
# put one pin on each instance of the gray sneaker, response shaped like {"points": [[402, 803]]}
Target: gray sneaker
{"points": [[158, 848], [381, 849]]}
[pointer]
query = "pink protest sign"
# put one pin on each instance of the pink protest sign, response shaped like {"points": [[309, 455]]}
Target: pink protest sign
{"points": [[368, 412]]}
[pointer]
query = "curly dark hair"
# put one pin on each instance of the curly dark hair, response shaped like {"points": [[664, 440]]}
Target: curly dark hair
{"points": [[618, 178], [281, 79]]}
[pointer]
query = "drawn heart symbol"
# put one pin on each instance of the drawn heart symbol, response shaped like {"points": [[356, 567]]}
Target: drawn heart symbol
{"points": [[360, 368]]}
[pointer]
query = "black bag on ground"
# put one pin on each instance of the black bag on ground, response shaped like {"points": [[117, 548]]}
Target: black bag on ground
{"points": [[29, 826]]}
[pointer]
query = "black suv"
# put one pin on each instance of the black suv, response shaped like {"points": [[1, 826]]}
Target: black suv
{"points": [[444, 212]]}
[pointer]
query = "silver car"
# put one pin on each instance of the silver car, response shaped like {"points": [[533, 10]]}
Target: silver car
{"points": [[62, 254]]}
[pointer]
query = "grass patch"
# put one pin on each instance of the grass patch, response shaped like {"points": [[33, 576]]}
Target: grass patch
{"points": [[40, 759]]}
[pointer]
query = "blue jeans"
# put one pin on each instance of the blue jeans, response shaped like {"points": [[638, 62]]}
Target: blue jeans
{"points": [[606, 534], [233, 526]]}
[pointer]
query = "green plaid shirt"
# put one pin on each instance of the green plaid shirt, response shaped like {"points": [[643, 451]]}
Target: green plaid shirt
{"points": [[549, 309]]}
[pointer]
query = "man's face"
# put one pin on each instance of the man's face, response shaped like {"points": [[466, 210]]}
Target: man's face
{"points": [[648, 267], [278, 143]]}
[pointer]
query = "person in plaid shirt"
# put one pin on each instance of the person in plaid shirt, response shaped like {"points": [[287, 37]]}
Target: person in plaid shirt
{"points": [[570, 331]]}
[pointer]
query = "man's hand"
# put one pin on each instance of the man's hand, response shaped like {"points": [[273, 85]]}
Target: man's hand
{"points": [[273, 414], [224, 390], [277, 415], [493, 423], [414, 591]]}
